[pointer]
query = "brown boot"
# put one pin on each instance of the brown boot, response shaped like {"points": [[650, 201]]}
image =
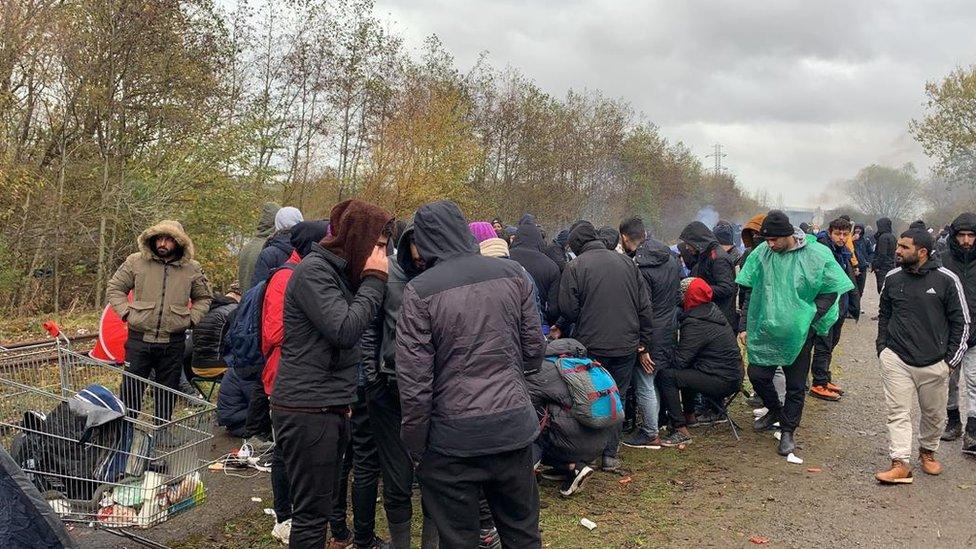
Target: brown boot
{"points": [[899, 473], [929, 465]]}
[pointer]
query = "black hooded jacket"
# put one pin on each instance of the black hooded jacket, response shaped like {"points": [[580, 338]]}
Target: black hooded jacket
{"points": [[714, 266], [468, 329], [208, 336], [306, 233], [604, 294], [379, 341], [963, 263], [708, 344], [884, 246], [527, 250], [662, 274]]}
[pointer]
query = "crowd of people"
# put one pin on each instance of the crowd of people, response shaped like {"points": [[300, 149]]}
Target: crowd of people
{"points": [[446, 356]]}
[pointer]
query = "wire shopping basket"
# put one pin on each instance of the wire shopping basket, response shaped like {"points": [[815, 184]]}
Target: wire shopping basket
{"points": [[117, 461]]}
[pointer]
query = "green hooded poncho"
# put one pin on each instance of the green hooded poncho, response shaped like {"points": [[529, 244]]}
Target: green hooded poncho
{"points": [[781, 307]]}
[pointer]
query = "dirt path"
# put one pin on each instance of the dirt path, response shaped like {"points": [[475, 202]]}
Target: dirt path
{"points": [[716, 493], [747, 490]]}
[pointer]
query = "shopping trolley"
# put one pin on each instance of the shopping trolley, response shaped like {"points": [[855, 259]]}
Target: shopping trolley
{"points": [[95, 460]]}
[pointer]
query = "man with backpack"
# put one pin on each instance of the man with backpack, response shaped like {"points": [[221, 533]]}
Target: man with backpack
{"points": [[602, 292], [333, 295], [467, 330], [170, 295], [271, 309]]}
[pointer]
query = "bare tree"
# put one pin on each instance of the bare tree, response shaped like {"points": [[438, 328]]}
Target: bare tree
{"points": [[886, 192]]}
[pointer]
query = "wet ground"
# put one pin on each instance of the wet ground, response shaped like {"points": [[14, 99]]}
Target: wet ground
{"points": [[716, 493]]}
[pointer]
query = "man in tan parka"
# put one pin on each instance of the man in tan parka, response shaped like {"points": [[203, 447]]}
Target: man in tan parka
{"points": [[170, 294]]}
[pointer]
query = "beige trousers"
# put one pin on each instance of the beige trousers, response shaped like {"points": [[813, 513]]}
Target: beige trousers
{"points": [[901, 382]]}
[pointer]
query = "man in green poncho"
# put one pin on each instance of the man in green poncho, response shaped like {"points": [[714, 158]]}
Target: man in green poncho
{"points": [[790, 287]]}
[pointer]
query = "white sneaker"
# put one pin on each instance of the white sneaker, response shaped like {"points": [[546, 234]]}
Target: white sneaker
{"points": [[760, 412], [282, 531]]}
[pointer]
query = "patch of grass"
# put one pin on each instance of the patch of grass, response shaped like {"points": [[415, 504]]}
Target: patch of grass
{"points": [[30, 328], [639, 513]]}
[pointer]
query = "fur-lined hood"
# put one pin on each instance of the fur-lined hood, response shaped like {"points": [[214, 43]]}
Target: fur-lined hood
{"points": [[172, 229]]}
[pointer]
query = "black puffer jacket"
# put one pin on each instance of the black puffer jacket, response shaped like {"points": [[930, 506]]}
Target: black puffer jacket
{"points": [[379, 341], [564, 438], [923, 317], [275, 253], [233, 400], [962, 262], [324, 322], [527, 251], [714, 266], [604, 294], [209, 334], [467, 331], [662, 274], [707, 344], [884, 246]]}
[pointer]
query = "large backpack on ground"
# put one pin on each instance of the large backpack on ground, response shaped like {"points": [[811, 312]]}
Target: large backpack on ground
{"points": [[244, 335], [597, 402]]}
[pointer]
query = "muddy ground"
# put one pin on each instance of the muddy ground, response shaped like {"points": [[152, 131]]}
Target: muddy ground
{"points": [[719, 492]]}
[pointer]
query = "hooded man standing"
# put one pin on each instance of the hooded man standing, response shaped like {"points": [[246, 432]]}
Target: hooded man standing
{"points": [[604, 294], [662, 275], [163, 278], [884, 251], [248, 258], [923, 327], [706, 259], [790, 285], [527, 250], [467, 331], [960, 258], [332, 296]]}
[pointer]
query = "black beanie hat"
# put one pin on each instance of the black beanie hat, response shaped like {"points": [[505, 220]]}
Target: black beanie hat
{"points": [[776, 224]]}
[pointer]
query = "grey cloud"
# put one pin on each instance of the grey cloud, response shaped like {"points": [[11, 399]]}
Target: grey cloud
{"points": [[800, 93]]}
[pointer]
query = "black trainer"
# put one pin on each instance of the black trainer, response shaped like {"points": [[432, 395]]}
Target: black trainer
{"points": [[675, 439], [786, 443], [767, 422], [574, 483], [969, 439], [953, 428]]}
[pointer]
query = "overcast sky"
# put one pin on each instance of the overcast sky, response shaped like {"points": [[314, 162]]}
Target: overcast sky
{"points": [[799, 93]]}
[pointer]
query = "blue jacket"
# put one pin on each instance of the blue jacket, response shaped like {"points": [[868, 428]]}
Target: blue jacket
{"points": [[232, 402]]}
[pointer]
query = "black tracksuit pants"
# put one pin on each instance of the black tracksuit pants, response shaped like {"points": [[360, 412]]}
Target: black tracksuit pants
{"points": [[258, 420], [796, 387], [622, 370], [823, 353], [451, 487], [312, 444], [383, 402], [680, 386], [166, 360], [879, 277]]}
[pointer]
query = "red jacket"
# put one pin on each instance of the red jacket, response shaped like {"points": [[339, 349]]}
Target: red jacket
{"points": [[272, 322]]}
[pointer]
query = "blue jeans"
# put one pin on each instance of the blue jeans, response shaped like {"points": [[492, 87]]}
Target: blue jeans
{"points": [[647, 400]]}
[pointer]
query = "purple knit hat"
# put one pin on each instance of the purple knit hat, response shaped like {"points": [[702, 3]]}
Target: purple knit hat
{"points": [[482, 230]]}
